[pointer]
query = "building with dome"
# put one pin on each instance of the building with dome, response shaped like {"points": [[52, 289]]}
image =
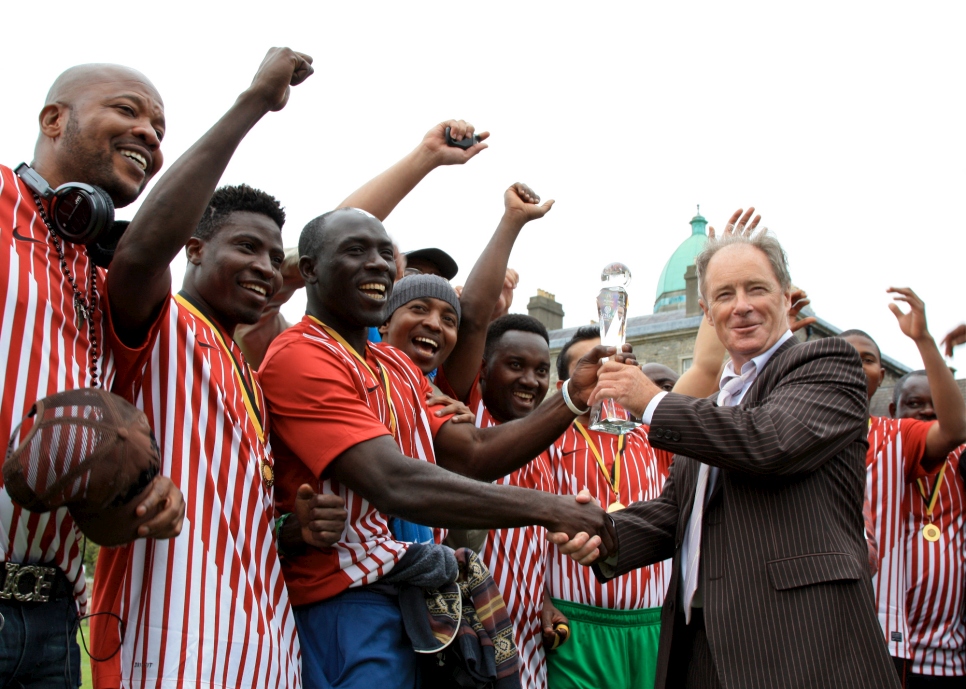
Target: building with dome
{"points": [[671, 285], [667, 335]]}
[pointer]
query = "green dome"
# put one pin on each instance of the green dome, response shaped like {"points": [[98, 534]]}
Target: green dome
{"points": [[670, 286]]}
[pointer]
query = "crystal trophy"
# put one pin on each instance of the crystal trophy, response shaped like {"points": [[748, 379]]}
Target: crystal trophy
{"points": [[608, 416]]}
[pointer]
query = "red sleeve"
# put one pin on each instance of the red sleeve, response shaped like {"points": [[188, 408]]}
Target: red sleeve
{"points": [[913, 433], [129, 361], [316, 409]]}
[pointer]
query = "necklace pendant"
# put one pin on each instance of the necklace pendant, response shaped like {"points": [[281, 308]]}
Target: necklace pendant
{"points": [[81, 310], [615, 507], [931, 532]]}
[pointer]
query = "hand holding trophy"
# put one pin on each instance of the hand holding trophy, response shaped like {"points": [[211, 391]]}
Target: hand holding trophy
{"points": [[607, 415]]}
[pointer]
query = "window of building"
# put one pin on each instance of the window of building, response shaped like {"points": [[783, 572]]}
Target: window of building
{"points": [[686, 362]]}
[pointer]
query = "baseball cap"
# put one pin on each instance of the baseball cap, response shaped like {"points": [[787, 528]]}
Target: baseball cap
{"points": [[87, 450], [442, 260]]}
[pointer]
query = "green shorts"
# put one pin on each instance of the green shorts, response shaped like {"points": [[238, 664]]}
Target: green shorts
{"points": [[616, 649]]}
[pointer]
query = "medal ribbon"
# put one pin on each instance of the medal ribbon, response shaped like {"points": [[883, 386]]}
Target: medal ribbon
{"points": [[385, 376], [931, 499], [613, 480], [242, 370]]}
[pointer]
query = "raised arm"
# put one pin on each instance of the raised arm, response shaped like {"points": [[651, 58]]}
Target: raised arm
{"points": [[491, 453], [382, 193], [485, 284], [954, 337], [950, 430], [140, 278]]}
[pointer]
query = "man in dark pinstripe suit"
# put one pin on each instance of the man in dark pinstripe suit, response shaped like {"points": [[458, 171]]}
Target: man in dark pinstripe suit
{"points": [[762, 512]]}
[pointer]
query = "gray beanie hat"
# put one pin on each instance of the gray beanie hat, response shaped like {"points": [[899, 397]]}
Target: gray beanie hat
{"points": [[421, 287]]}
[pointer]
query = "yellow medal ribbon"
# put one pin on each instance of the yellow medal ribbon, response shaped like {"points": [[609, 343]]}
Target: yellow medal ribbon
{"points": [[385, 376], [613, 480], [930, 531], [242, 371]]}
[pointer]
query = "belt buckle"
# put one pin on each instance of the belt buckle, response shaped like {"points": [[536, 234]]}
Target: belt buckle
{"points": [[43, 581]]}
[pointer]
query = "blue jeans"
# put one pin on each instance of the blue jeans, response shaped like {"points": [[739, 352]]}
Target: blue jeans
{"points": [[355, 641], [38, 645]]}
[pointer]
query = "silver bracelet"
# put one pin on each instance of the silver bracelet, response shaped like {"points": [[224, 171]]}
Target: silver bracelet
{"points": [[569, 402]]}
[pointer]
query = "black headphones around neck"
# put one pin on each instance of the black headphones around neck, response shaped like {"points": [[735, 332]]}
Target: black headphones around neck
{"points": [[79, 213]]}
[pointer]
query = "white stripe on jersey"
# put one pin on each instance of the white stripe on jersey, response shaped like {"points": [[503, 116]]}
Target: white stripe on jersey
{"points": [[208, 608], [517, 560], [887, 465], [936, 597], [642, 478], [45, 352]]}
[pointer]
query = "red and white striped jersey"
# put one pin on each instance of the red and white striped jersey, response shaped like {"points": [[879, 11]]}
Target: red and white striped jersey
{"points": [[896, 447], [517, 558], [325, 398], [46, 350], [936, 594], [208, 608], [643, 470]]}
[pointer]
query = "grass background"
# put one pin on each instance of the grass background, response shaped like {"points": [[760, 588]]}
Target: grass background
{"points": [[86, 682]]}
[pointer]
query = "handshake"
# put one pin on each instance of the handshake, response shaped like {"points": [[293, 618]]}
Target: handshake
{"points": [[583, 530]]}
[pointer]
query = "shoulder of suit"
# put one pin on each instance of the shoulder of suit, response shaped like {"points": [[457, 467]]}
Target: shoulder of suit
{"points": [[798, 353]]}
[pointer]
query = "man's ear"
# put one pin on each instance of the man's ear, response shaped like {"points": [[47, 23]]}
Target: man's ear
{"points": [[194, 249], [53, 120], [892, 410], [882, 374], [384, 330], [307, 270], [559, 384], [707, 314]]}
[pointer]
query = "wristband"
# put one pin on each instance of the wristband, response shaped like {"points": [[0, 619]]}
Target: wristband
{"points": [[279, 523], [569, 402]]}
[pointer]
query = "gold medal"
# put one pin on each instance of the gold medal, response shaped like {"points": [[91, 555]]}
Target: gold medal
{"points": [[617, 507], [931, 533], [268, 474]]}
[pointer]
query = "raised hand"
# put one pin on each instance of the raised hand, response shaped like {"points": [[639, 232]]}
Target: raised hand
{"points": [[281, 69], [434, 142], [738, 224], [912, 324], [523, 201], [954, 337], [321, 516], [799, 300], [503, 304]]}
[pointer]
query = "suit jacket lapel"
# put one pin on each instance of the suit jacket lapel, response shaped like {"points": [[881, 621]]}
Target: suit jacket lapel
{"points": [[759, 385]]}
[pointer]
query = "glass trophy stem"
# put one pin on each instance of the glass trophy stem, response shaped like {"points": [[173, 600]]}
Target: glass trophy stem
{"points": [[607, 416]]}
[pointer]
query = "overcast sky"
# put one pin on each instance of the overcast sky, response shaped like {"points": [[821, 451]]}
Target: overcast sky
{"points": [[841, 122]]}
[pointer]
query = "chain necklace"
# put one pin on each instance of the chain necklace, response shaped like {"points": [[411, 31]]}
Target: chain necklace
{"points": [[85, 308]]}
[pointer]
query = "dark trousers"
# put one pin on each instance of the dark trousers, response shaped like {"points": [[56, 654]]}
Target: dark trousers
{"points": [[38, 645], [691, 665], [934, 682], [902, 669]]}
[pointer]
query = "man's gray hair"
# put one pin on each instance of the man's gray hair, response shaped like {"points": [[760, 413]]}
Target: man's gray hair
{"points": [[762, 240]]}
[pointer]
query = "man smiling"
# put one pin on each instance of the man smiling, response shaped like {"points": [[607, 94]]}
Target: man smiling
{"points": [[208, 609], [350, 416], [100, 125], [762, 510]]}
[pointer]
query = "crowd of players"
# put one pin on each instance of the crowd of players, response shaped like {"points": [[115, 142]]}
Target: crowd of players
{"points": [[268, 556]]}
